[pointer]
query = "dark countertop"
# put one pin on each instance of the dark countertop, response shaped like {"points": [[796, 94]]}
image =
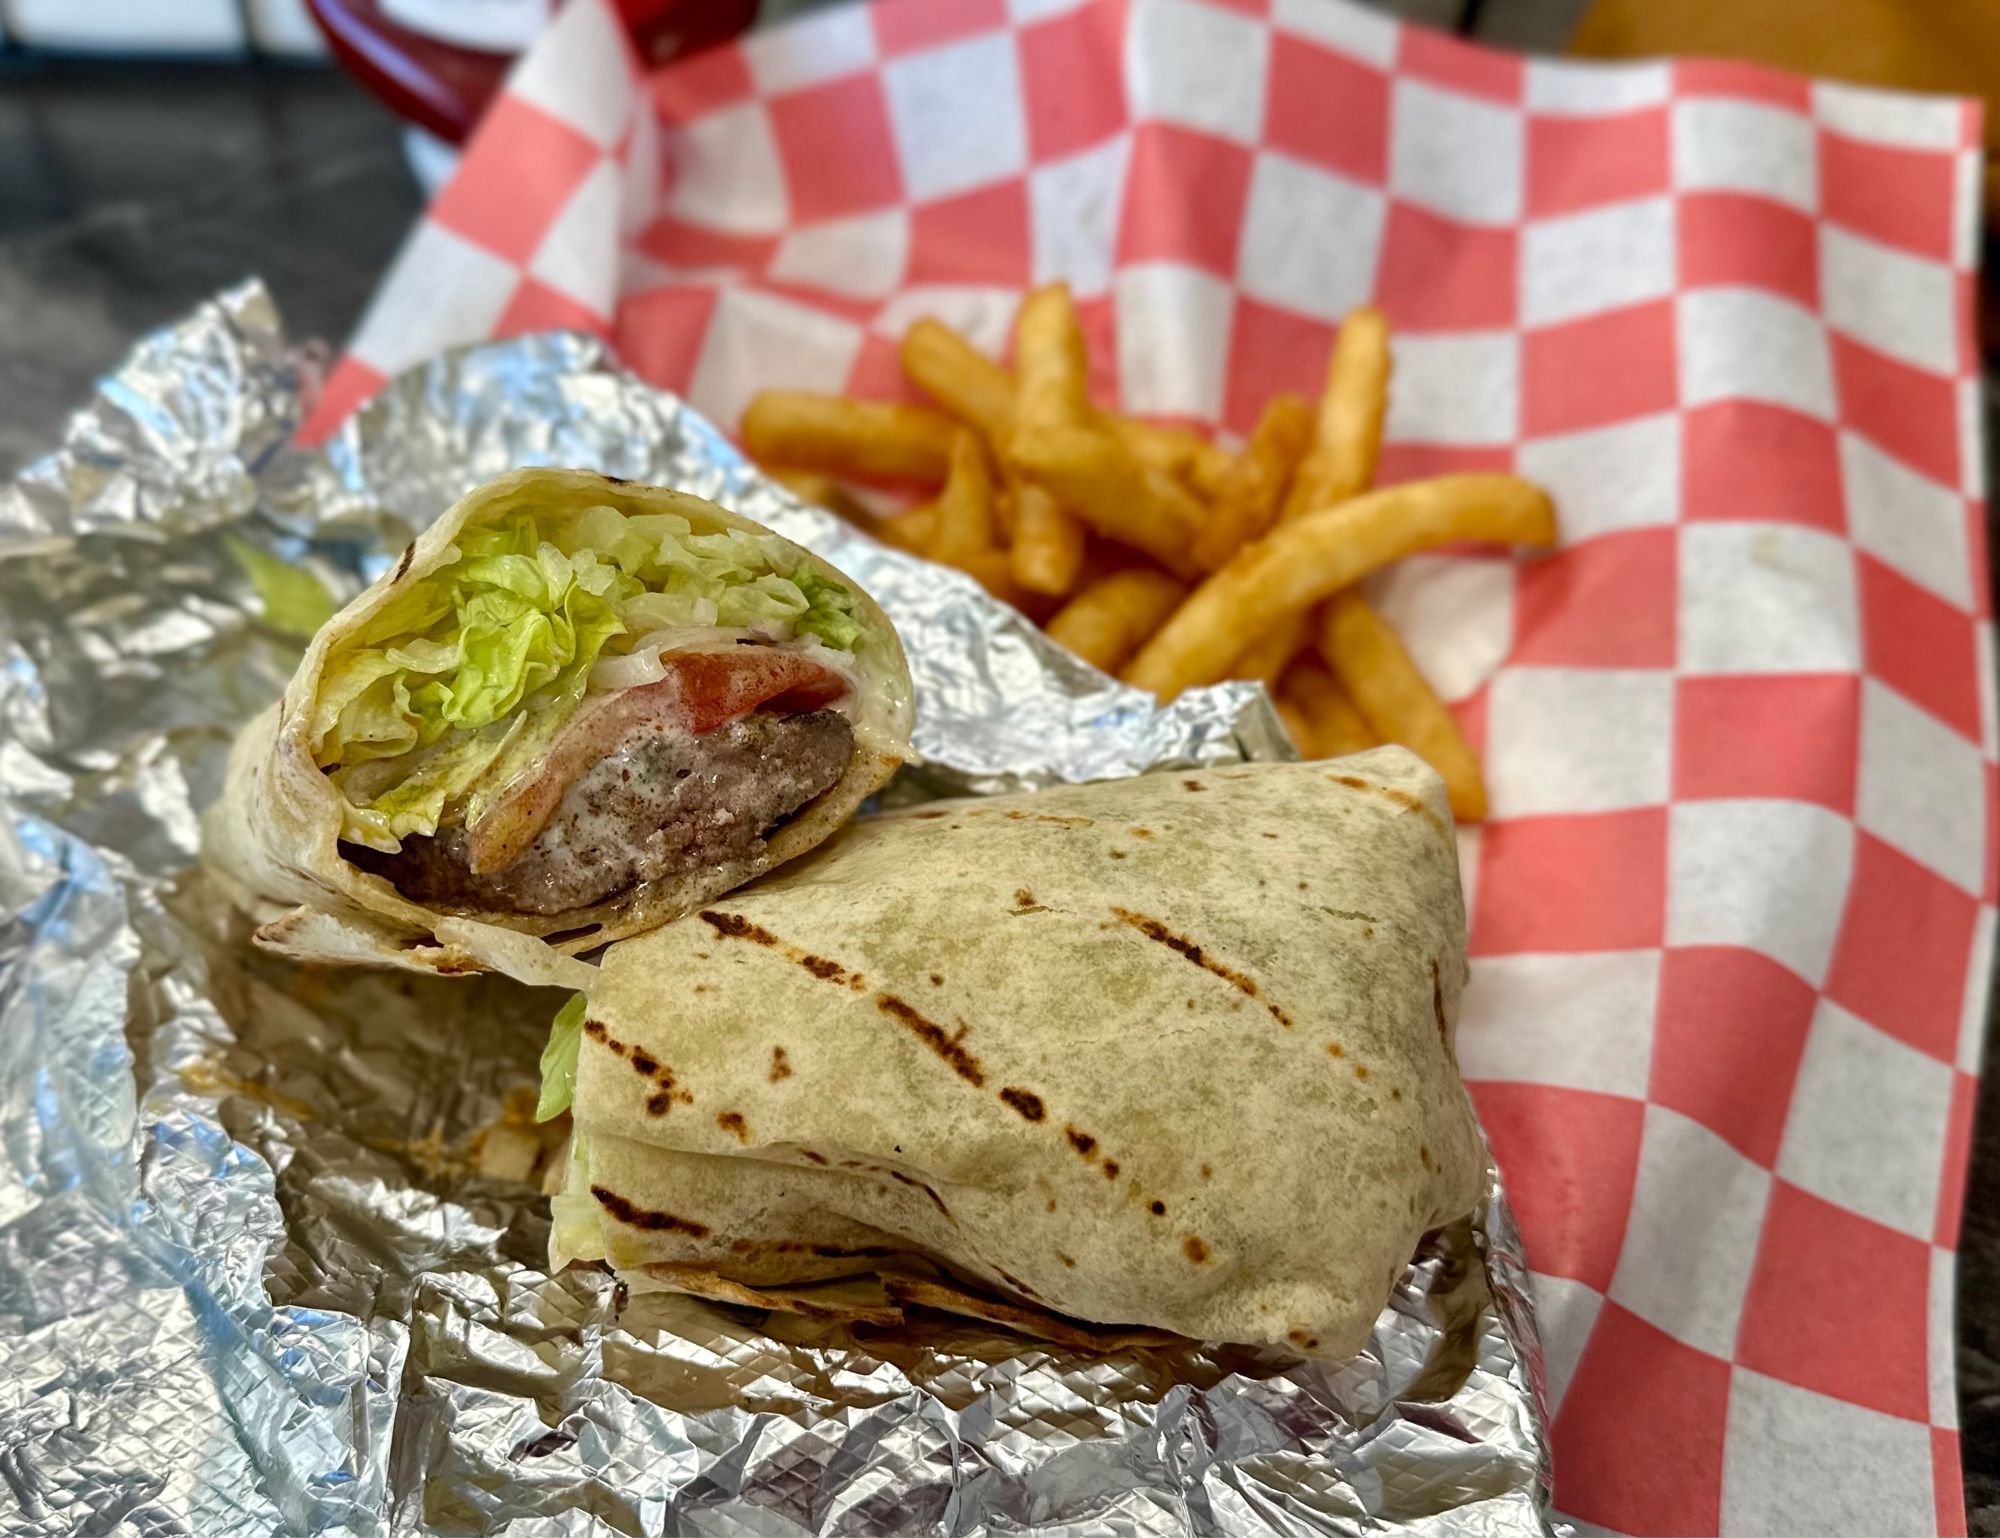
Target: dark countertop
{"points": [[1979, 1302], [129, 193]]}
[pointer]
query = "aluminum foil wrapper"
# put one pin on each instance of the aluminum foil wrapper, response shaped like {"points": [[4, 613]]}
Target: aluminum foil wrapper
{"points": [[271, 1255]]}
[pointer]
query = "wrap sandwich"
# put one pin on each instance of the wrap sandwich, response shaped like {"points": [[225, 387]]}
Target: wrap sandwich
{"points": [[1172, 1053], [576, 708]]}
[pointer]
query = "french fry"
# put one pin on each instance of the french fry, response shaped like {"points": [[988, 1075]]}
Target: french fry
{"points": [[1052, 371], [1370, 662], [990, 570], [818, 490], [1267, 657], [1176, 451], [1316, 555], [1347, 439], [1051, 366], [859, 440], [965, 520], [1297, 726], [1334, 725], [1089, 474], [1163, 448], [980, 393], [960, 378], [1048, 547], [1206, 470], [914, 530], [1253, 487], [1110, 619], [1184, 512], [1102, 558], [1006, 509]]}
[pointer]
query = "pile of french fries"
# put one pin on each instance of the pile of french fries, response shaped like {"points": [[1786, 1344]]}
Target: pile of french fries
{"points": [[1151, 552]]}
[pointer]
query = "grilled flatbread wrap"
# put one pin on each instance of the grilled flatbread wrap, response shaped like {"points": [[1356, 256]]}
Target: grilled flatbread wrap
{"points": [[576, 708], [1171, 1052]]}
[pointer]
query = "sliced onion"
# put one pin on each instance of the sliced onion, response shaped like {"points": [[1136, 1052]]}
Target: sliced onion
{"points": [[645, 664], [630, 671], [841, 662], [696, 638], [642, 664]]}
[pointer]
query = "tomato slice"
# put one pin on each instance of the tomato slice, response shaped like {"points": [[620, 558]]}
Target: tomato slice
{"points": [[717, 687], [702, 690]]}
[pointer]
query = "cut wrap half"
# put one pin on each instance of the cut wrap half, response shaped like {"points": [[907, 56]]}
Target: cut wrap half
{"points": [[575, 709], [1172, 1053]]}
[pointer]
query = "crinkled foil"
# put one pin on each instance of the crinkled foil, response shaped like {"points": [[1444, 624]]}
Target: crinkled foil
{"points": [[270, 1260]]}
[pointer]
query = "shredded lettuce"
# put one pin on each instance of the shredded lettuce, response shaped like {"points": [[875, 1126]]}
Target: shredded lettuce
{"points": [[476, 666], [669, 610], [513, 615], [829, 610], [559, 1060]]}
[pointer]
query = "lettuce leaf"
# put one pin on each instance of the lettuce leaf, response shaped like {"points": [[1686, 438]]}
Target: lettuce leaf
{"points": [[414, 800], [296, 603], [576, 1221], [559, 1060]]}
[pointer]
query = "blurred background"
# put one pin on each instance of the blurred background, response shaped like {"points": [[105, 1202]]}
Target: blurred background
{"points": [[154, 151]]}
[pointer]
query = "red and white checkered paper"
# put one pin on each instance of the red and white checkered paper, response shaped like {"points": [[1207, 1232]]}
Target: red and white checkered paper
{"points": [[1732, 918]]}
